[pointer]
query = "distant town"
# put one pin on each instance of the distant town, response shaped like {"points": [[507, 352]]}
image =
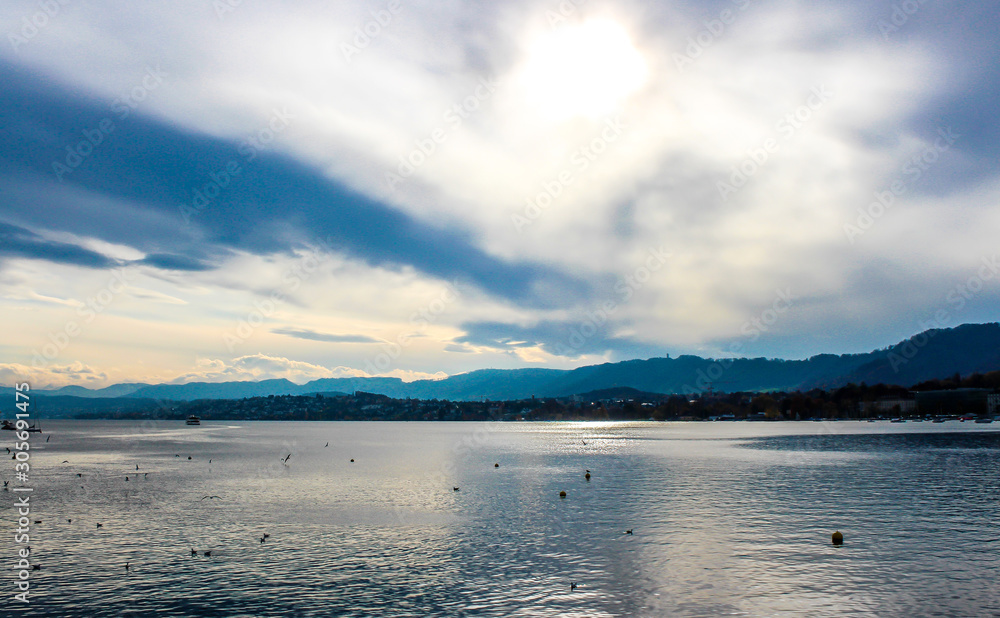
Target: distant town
{"points": [[976, 397]]}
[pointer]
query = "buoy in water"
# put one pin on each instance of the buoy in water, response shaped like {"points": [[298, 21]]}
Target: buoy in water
{"points": [[496, 465], [837, 538], [562, 494]]}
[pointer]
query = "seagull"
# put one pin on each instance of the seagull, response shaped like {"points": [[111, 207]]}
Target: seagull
{"points": [[584, 442], [145, 474], [572, 586], [212, 497], [126, 478], [267, 536], [5, 483], [261, 540], [65, 461], [126, 566], [208, 554], [69, 521], [8, 450], [629, 531], [47, 438], [209, 461], [78, 474], [100, 525], [36, 567], [285, 460], [193, 552], [136, 466], [326, 445], [455, 488], [38, 521]]}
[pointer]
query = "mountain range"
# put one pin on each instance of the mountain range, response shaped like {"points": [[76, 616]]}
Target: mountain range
{"points": [[936, 353]]}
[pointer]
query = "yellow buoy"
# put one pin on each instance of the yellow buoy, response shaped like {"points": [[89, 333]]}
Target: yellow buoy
{"points": [[837, 538], [562, 494]]}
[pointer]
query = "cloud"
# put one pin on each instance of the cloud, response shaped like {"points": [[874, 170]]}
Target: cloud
{"points": [[17, 241], [312, 135], [311, 335], [570, 339], [262, 367], [53, 376], [268, 204], [166, 261]]}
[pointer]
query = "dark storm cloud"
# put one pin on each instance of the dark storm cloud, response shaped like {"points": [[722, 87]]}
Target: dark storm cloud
{"points": [[311, 335], [16, 241], [165, 261], [571, 338], [213, 195]]}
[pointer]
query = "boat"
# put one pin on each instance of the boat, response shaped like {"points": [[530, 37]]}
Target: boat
{"points": [[939, 419], [897, 420], [9, 426], [193, 420], [984, 420]]}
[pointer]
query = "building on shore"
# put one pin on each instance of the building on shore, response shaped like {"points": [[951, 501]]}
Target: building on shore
{"points": [[887, 406], [954, 401]]}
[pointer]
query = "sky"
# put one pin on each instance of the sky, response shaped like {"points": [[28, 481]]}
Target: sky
{"points": [[209, 190]]}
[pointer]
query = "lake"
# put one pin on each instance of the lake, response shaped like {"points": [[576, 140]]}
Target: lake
{"points": [[728, 519]]}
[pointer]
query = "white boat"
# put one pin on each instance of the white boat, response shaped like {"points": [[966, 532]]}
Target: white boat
{"points": [[193, 420]]}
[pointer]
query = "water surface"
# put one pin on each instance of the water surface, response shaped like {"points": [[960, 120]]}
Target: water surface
{"points": [[729, 519]]}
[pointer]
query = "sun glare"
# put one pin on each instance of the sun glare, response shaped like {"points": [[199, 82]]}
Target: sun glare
{"points": [[582, 70]]}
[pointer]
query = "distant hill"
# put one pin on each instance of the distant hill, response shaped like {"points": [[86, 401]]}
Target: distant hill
{"points": [[933, 354], [618, 393]]}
